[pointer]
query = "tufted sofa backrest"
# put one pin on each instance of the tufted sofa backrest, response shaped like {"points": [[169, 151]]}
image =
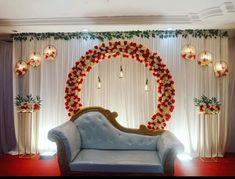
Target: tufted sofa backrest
{"points": [[98, 133]]}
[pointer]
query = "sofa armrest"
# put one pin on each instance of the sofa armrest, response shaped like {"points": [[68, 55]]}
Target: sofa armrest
{"points": [[67, 136], [169, 146]]}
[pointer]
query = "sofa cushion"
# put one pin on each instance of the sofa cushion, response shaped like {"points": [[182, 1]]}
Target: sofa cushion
{"points": [[98, 133], [91, 160]]}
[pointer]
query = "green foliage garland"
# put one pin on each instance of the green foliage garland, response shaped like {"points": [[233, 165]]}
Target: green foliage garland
{"points": [[205, 33]]}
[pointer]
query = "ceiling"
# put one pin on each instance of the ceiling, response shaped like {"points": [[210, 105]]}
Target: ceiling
{"points": [[114, 15]]}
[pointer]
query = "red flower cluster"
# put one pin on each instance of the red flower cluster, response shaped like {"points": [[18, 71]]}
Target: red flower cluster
{"points": [[188, 56], [209, 108], [204, 62], [28, 107], [124, 49], [221, 73]]}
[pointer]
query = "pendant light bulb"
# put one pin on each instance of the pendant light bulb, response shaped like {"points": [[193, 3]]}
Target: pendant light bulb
{"points": [[121, 72], [146, 85], [99, 83]]}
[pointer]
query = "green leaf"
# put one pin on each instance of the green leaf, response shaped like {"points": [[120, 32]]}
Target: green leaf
{"points": [[121, 35]]}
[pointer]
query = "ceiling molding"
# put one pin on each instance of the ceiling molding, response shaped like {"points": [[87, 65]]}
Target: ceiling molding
{"points": [[229, 7], [114, 20], [217, 17], [225, 8]]}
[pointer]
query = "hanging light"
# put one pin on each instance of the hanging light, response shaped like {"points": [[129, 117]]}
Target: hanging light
{"points": [[204, 58], [188, 52], [99, 83], [221, 69], [21, 67], [50, 52], [121, 72], [34, 59], [146, 85]]}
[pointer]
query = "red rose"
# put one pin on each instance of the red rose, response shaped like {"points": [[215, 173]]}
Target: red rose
{"points": [[35, 107]]}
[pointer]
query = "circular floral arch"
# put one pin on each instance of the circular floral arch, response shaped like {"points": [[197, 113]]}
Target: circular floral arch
{"points": [[125, 49]]}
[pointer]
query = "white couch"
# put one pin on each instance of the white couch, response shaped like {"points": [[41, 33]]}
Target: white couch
{"points": [[93, 143]]}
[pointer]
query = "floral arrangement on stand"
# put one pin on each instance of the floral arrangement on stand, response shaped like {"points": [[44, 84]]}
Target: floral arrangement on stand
{"points": [[28, 103], [207, 105]]}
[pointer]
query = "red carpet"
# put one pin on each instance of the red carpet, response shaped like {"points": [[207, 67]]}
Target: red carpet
{"points": [[13, 166], [223, 167]]}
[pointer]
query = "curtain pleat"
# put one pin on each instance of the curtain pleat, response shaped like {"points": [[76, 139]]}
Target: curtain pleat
{"points": [[231, 97]]}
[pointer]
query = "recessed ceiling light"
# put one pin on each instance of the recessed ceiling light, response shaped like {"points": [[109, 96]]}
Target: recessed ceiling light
{"points": [[169, 28], [85, 30]]}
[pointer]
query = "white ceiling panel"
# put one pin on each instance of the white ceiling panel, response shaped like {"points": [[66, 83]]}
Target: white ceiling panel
{"points": [[109, 15]]}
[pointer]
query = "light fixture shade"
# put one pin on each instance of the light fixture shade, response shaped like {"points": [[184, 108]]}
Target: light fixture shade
{"points": [[188, 52], [221, 69], [21, 67], [50, 52], [204, 58], [34, 59]]}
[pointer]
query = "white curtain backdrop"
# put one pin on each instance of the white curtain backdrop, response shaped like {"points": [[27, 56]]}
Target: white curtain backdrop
{"points": [[126, 95], [231, 98]]}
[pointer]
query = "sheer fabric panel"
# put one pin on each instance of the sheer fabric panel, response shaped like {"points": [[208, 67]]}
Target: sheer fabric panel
{"points": [[126, 95]]}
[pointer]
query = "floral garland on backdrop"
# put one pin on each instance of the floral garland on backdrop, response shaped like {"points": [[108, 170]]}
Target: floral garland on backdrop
{"points": [[152, 61], [197, 33]]}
